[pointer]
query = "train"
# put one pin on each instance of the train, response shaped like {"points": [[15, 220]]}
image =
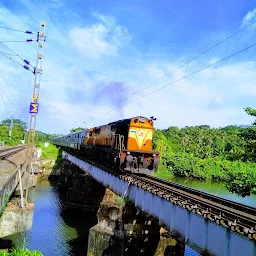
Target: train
{"points": [[124, 145]]}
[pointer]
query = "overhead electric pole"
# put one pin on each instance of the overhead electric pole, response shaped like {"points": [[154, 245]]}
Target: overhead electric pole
{"points": [[34, 105], [10, 128]]}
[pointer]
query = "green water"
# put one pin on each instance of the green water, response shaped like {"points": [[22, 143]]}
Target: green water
{"points": [[217, 189], [55, 231]]}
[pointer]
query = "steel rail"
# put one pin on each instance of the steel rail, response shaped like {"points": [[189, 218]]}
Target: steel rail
{"points": [[199, 199], [236, 220], [10, 151], [220, 200]]}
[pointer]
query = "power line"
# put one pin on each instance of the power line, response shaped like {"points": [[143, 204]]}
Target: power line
{"points": [[11, 50], [1, 94], [189, 61], [24, 66], [17, 30], [7, 53], [186, 76], [13, 98], [20, 41], [11, 59]]}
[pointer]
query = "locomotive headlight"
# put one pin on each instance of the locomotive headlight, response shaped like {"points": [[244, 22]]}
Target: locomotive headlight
{"points": [[140, 133]]}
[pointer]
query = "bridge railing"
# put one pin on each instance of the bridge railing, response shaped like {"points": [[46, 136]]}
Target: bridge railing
{"points": [[8, 188]]}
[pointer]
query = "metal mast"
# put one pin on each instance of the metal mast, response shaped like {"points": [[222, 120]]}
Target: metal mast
{"points": [[34, 105]]}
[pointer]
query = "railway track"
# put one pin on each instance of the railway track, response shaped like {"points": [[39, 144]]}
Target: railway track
{"points": [[238, 217], [10, 151], [234, 216]]}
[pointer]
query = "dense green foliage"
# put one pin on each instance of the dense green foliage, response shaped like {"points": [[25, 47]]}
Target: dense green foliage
{"points": [[49, 151], [225, 154], [21, 252], [19, 133], [15, 122], [76, 129]]}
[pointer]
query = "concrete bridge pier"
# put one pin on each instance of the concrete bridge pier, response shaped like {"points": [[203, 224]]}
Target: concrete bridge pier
{"points": [[125, 230], [120, 228], [78, 189]]}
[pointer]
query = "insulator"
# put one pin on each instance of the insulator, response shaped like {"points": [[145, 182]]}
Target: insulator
{"points": [[28, 32], [26, 61], [41, 33], [26, 67], [29, 40]]}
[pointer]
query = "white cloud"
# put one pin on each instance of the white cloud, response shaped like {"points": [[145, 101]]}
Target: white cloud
{"points": [[249, 17], [215, 96], [104, 38]]}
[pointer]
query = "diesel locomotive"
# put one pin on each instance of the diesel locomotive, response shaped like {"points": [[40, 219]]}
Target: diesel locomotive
{"points": [[125, 145]]}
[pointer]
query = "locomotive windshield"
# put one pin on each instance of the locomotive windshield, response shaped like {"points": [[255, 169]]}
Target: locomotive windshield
{"points": [[142, 119]]}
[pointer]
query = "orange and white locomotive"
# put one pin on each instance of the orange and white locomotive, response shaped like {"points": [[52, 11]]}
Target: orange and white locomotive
{"points": [[125, 144]]}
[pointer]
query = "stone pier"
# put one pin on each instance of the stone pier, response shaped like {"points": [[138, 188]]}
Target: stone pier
{"points": [[15, 219], [120, 228]]}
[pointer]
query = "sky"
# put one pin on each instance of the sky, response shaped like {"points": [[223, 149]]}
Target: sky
{"points": [[109, 60]]}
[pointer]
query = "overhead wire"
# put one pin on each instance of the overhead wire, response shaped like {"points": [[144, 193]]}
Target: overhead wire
{"points": [[11, 50], [1, 95], [11, 59], [189, 61], [24, 66], [184, 77], [14, 99], [192, 59], [20, 41], [17, 30]]}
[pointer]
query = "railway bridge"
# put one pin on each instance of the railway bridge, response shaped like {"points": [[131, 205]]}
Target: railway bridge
{"points": [[206, 223]]}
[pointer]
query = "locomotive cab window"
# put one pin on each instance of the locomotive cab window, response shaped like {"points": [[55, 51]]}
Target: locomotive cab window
{"points": [[90, 134], [142, 119]]}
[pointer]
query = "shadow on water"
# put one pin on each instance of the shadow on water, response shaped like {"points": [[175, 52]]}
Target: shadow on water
{"points": [[79, 202], [82, 221]]}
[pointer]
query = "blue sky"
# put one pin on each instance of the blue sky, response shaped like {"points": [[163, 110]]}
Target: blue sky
{"points": [[100, 55]]}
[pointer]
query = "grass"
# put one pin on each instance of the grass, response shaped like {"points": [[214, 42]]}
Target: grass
{"points": [[163, 173], [50, 152], [21, 252]]}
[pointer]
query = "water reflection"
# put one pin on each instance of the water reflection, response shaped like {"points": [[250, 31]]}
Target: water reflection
{"points": [[55, 231]]}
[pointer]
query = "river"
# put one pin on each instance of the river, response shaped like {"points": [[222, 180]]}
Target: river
{"points": [[56, 231]]}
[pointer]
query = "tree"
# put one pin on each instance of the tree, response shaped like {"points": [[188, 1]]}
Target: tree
{"points": [[76, 129], [251, 112], [245, 183], [16, 122]]}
